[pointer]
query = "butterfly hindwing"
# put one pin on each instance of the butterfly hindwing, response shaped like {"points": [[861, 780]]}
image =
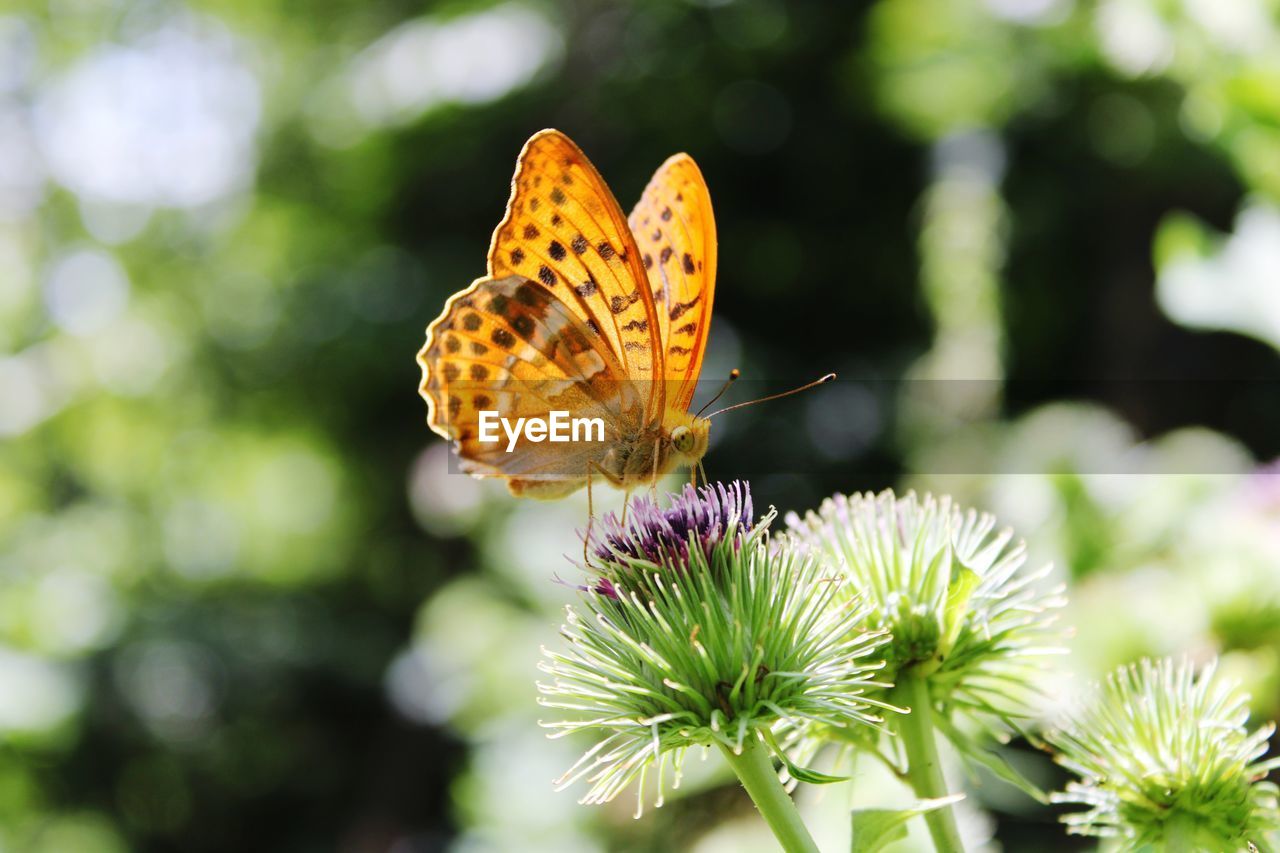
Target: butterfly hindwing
{"points": [[512, 347], [675, 230]]}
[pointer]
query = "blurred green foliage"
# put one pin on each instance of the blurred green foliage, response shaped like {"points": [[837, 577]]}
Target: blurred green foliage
{"points": [[243, 606]]}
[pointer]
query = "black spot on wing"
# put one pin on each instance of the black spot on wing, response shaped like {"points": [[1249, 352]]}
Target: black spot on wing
{"points": [[528, 295], [618, 304], [678, 310], [523, 325]]}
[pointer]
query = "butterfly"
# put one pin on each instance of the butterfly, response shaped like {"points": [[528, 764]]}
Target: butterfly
{"points": [[583, 311]]}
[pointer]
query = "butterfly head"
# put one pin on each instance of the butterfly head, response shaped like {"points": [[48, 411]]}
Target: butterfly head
{"points": [[689, 437]]}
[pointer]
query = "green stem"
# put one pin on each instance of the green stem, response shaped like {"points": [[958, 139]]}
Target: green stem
{"points": [[924, 770], [1180, 834], [755, 771]]}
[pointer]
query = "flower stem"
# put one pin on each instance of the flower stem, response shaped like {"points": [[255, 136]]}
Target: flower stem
{"points": [[1180, 834], [924, 770], [755, 771]]}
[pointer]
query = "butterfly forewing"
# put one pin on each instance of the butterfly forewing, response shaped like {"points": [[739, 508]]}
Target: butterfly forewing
{"points": [[676, 235], [565, 230]]}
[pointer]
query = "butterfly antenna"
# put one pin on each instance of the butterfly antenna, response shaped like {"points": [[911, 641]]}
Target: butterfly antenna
{"points": [[733, 375], [815, 383]]}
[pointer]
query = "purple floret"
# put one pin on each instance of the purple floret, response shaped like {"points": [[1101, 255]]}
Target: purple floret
{"points": [[664, 535]]}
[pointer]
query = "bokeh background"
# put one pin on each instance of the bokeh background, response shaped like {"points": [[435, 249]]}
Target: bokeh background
{"points": [[244, 606]]}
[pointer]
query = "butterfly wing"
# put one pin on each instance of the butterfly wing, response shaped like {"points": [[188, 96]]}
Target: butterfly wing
{"points": [[564, 229], [676, 232], [511, 346]]}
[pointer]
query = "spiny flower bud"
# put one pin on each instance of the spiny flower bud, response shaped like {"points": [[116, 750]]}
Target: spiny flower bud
{"points": [[1165, 759], [948, 586]]}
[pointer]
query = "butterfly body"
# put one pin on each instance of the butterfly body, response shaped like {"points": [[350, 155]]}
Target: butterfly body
{"points": [[633, 460], [583, 312], [679, 440]]}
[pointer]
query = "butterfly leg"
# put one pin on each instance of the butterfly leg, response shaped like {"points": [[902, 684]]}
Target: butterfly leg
{"points": [[591, 520], [653, 482], [591, 512]]}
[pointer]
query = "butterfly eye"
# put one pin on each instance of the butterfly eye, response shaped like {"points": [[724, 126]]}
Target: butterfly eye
{"points": [[682, 439]]}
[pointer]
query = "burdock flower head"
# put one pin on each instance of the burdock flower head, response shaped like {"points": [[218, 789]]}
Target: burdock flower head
{"points": [[695, 633], [1164, 759], [967, 620]]}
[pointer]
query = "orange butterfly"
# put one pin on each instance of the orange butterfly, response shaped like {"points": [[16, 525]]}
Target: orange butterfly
{"points": [[584, 312]]}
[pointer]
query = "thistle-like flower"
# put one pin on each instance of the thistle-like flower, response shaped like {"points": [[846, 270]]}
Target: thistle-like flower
{"points": [[950, 589], [969, 628], [1165, 759], [695, 632]]}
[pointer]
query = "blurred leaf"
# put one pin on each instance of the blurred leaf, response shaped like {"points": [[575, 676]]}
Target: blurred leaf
{"points": [[874, 829], [990, 759], [964, 581]]}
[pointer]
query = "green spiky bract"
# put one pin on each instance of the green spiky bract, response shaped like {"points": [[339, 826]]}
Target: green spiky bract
{"points": [[1165, 760], [720, 643]]}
